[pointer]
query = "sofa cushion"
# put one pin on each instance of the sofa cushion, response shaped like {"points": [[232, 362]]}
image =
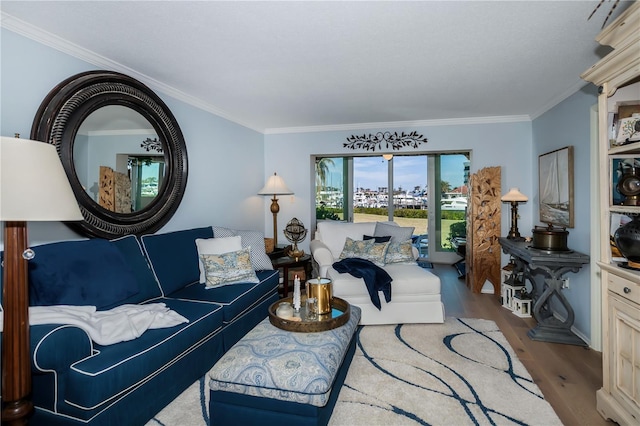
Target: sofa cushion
{"points": [[334, 234], [94, 381], [234, 299], [90, 272], [215, 246], [228, 268], [252, 239], [130, 248], [174, 257], [397, 233], [410, 282], [365, 249]]}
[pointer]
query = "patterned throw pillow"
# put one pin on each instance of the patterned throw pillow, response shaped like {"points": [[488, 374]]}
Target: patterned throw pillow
{"points": [[400, 253], [215, 246], [365, 249], [229, 268], [397, 233]]}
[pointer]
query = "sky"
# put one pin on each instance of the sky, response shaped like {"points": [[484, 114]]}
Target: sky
{"points": [[409, 171]]}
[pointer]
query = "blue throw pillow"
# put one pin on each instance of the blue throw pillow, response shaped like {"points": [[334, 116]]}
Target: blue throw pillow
{"points": [[91, 272]]}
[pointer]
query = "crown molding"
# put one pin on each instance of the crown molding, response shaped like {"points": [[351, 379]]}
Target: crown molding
{"points": [[405, 124], [46, 38]]}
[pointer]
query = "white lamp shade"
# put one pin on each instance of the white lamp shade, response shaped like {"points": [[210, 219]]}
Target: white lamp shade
{"points": [[275, 186], [33, 183], [514, 194]]}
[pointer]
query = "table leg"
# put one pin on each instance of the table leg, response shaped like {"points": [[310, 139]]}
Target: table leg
{"points": [[550, 328]]}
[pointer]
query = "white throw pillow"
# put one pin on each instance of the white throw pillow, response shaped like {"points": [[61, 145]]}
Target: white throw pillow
{"points": [[215, 246]]}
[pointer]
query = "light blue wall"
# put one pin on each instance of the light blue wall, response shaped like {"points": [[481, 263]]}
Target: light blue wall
{"points": [[226, 160], [507, 145], [568, 123]]}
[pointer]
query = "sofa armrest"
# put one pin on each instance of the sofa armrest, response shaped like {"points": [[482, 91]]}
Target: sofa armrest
{"points": [[55, 347], [322, 255]]}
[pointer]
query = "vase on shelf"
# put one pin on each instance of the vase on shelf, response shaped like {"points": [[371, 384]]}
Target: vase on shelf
{"points": [[627, 239]]}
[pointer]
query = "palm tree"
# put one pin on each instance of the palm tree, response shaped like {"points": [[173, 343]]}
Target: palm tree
{"points": [[322, 170]]}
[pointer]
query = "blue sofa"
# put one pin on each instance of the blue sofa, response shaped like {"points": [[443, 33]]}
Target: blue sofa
{"points": [[77, 381]]}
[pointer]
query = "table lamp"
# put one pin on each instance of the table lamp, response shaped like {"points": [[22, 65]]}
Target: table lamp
{"points": [[514, 196], [33, 187], [275, 186]]}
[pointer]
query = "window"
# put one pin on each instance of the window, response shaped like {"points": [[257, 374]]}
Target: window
{"points": [[357, 189]]}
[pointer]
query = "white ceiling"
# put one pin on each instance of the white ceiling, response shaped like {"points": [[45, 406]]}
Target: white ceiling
{"points": [[285, 66]]}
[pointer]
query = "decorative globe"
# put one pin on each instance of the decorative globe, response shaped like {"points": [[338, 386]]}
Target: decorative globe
{"points": [[295, 232]]}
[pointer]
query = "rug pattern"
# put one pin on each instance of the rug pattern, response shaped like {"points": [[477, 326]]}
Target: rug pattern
{"points": [[462, 372]]}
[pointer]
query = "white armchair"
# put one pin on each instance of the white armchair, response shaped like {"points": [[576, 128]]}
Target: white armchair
{"points": [[415, 290]]}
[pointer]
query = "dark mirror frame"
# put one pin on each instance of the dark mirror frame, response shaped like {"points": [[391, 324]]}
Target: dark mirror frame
{"points": [[58, 120]]}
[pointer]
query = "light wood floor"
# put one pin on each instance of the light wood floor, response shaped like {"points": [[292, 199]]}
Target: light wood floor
{"points": [[567, 375]]}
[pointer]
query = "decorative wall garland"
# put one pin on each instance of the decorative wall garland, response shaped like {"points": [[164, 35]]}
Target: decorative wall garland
{"points": [[391, 140]]}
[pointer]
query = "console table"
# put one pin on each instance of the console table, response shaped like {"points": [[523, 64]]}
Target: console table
{"points": [[544, 270]]}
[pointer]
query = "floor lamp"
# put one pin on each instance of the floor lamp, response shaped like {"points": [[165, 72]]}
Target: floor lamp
{"points": [[275, 186], [514, 196], [33, 187]]}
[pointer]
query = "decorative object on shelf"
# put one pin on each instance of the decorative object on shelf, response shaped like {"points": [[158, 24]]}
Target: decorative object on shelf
{"points": [[555, 173], [550, 238], [321, 290], [514, 196], [275, 186], [295, 232], [627, 238], [25, 196], [625, 179], [629, 129], [151, 144], [393, 140], [296, 294]]}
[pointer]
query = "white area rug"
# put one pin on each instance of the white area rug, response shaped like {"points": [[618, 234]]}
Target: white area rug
{"points": [[462, 372]]}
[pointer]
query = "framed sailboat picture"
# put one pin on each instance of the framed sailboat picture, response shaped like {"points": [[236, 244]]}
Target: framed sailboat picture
{"points": [[555, 172]]}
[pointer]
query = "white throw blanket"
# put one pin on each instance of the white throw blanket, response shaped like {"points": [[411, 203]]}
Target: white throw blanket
{"points": [[122, 323]]}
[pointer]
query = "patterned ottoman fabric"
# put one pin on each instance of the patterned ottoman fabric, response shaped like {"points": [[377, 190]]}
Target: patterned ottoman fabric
{"points": [[273, 363]]}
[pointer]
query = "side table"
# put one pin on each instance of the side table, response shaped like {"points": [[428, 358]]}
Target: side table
{"points": [[545, 271], [283, 262]]}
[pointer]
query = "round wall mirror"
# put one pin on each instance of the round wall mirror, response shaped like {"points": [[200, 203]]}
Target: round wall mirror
{"points": [[121, 148]]}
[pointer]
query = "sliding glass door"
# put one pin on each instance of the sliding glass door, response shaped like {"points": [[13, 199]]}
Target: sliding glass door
{"points": [[425, 191]]}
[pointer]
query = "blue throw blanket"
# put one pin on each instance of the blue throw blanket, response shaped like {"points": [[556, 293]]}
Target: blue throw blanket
{"points": [[376, 278]]}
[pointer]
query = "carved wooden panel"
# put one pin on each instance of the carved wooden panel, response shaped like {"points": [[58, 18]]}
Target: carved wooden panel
{"points": [[106, 190], [483, 230], [114, 192], [122, 193]]}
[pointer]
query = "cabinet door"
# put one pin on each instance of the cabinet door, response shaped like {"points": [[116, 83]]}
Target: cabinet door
{"points": [[625, 353]]}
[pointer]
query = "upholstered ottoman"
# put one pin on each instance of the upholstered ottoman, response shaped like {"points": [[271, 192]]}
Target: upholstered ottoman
{"points": [[273, 376]]}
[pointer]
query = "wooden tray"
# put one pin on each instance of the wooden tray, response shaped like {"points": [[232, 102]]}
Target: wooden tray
{"points": [[340, 314]]}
